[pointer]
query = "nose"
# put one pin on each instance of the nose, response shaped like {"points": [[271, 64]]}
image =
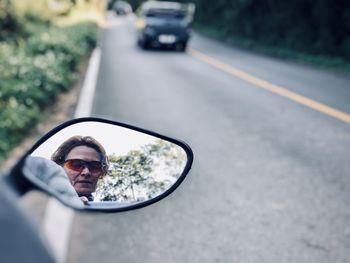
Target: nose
{"points": [[85, 171]]}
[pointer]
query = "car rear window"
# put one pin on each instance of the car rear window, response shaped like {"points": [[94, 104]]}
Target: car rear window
{"points": [[165, 13]]}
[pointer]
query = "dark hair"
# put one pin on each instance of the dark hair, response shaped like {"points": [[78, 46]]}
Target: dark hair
{"points": [[59, 156]]}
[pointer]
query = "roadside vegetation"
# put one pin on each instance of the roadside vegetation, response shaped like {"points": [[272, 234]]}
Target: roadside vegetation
{"points": [[316, 32], [42, 45]]}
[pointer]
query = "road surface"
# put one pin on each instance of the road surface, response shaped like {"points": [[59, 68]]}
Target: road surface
{"points": [[271, 176]]}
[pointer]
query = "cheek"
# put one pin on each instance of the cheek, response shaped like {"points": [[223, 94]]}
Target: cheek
{"points": [[95, 180], [71, 175]]}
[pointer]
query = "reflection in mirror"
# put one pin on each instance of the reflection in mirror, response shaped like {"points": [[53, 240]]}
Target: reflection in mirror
{"points": [[114, 164], [142, 173]]}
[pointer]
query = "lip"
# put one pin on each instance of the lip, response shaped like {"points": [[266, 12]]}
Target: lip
{"points": [[83, 182]]}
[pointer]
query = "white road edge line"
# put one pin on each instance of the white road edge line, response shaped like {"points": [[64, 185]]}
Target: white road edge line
{"points": [[87, 93], [58, 219]]}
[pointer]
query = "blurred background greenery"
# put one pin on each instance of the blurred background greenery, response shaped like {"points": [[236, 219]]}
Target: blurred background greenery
{"points": [[316, 31], [42, 45]]}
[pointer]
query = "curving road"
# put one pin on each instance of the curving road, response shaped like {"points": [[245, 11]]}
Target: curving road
{"points": [[271, 176]]}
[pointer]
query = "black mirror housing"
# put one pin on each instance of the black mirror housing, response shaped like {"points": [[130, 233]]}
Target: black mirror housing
{"points": [[143, 166]]}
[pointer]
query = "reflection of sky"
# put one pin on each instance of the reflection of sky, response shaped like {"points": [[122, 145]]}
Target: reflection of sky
{"points": [[115, 139]]}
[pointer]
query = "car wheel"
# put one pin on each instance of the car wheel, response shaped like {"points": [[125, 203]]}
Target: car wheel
{"points": [[143, 44], [181, 46]]}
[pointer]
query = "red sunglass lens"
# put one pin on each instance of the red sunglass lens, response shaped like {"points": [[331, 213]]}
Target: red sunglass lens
{"points": [[95, 167], [78, 165], [75, 165]]}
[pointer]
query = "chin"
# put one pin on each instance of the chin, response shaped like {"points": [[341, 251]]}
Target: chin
{"points": [[84, 192]]}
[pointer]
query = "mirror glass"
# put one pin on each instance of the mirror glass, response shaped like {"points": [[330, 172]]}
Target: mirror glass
{"points": [[109, 164]]}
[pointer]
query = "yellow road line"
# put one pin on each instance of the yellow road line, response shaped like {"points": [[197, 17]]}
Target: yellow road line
{"points": [[271, 87]]}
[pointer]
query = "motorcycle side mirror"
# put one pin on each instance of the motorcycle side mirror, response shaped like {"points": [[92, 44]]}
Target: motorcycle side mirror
{"points": [[102, 165]]}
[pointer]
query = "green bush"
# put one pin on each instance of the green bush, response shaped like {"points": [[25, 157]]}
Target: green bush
{"points": [[9, 26], [34, 71]]}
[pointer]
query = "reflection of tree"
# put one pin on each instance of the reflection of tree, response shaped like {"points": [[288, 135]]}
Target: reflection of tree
{"points": [[169, 155], [142, 174]]}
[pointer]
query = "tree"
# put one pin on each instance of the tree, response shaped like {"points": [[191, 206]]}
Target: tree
{"points": [[142, 174], [319, 27]]}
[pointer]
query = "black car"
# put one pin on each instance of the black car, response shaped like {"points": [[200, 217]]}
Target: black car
{"points": [[164, 24]]}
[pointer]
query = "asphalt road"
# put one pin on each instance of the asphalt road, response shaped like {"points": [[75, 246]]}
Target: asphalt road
{"points": [[271, 177]]}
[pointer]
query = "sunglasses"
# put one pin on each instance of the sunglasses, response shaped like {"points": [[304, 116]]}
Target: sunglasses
{"points": [[78, 165]]}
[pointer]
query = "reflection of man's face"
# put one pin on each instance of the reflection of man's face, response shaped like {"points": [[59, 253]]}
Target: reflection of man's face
{"points": [[84, 168]]}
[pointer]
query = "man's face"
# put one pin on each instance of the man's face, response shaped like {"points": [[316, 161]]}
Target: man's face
{"points": [[84, 168]]}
